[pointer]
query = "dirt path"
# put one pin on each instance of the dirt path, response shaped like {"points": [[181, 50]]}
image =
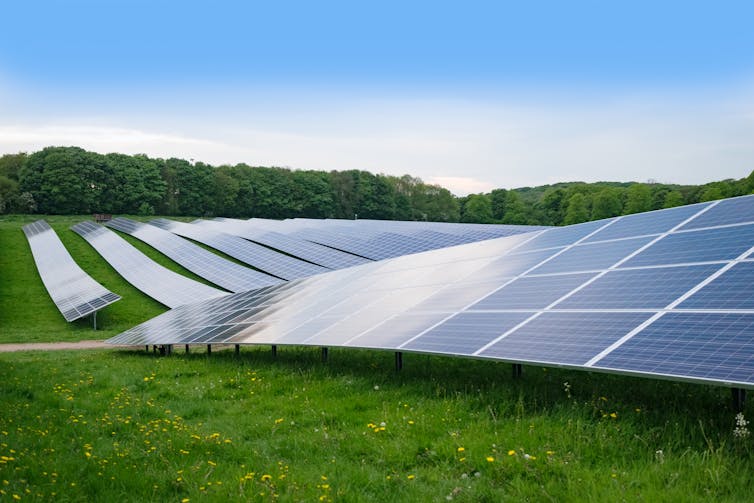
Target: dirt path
{"points": [[54, 346]]}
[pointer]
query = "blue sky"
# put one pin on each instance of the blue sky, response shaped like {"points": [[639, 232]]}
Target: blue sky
{"points": [[472, 95]]}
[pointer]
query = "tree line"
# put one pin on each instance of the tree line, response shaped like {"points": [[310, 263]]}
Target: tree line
{"points": [[71, 180]]}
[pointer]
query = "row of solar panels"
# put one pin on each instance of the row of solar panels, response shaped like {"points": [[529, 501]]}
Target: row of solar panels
{"points": [[270, 258], [665, 293]]}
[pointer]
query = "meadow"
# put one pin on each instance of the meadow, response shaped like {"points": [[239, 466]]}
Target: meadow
{"points": [[128, 425]]}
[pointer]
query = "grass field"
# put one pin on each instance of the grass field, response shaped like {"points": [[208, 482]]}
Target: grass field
{"points": [[131, 426]]}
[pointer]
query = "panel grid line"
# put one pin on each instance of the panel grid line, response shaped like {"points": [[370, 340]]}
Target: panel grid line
{"points": [[591, 280], [667, 309]]}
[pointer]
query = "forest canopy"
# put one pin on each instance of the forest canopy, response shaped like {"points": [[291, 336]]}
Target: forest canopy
{"points": [[71, 180]]}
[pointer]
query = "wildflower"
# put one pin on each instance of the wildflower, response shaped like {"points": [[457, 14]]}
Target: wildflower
{"points": [[511, 452], [460, 449], [266, 478], [741, 430], [279, 420], [659, 456], [567, 389], [185, 500], [411, 477], [529, 457], [490, 459], [614, 415]]}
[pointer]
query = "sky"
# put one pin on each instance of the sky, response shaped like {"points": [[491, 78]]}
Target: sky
{"points": [[471, 95]]}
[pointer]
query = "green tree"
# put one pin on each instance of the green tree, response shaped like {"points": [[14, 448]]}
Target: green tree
{"points": [[478, 209], [65, 180], [638, 199], [577, 210], [711, 193], [672, 199], [515, 212], [606, 203], [11, 164], [553, 205], [132, 181]]}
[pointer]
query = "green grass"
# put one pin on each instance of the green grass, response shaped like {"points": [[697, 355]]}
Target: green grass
{"points": [[131, 426]]}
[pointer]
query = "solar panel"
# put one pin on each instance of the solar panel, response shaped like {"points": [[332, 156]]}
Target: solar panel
{"points": [[160, 283], [724, 243], [586, 257], [652, 288], [74, 292], [532, 292], [222, 272], [664, 298], [653, 222], [261, 257], [478, 329], [299, 248], [564, 338], [734, 289], [706, 346], [727, 212]]}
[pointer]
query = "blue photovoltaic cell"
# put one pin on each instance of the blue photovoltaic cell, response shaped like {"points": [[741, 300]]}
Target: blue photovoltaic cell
{"points": [[465, 333], [535, 292], [734, 289], [565, 338], [726, 212], [653, 288], [515, 264], [592, 257], [562, 236], [701, 345], [641, 224], [724, 243]]}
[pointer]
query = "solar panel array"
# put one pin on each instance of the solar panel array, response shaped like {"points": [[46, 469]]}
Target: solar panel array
{"points": [[665, 293], [381, 239], [160, 283], [261, 257], [300, 248], [74, 292], [210, 266]]}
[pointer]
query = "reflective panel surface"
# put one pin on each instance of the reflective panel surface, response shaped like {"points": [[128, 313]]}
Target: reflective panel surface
{"points": [[74, 292]]}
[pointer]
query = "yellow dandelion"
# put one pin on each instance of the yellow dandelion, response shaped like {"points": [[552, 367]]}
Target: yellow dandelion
{"points": [[511, 452], [211, 463], [411, 477], [614, 415], [185, 500], [266, 478], [460, 449], [490, 459]]}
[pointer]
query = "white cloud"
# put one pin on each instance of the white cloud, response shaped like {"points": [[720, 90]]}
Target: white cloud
{"points": [[461, 185], [466, 146]]}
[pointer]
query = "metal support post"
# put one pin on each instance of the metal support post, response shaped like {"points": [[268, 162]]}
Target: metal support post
{"points": [[518, 369], [398, 361]]}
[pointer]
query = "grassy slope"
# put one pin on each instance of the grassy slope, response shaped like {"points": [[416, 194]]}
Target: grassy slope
{"points": [[129, 426], [26, 311]]}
